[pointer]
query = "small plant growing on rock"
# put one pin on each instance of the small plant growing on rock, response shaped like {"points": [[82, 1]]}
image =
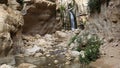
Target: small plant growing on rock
{"points": [[89, 45]]}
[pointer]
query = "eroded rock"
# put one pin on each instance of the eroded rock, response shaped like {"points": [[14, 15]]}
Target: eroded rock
{"points": [[11, 22], [41, 18]]}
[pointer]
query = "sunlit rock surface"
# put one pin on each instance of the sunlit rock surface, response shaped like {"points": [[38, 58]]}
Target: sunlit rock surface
{"points": [[6, 66]]}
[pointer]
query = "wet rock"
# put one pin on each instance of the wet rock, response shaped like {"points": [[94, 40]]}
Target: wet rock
{"points": [[27, 65]]}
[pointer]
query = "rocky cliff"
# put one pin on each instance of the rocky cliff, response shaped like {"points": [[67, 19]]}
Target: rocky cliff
{"points": [[107, 25], [11, 22], [41, 18], [107, 22]]}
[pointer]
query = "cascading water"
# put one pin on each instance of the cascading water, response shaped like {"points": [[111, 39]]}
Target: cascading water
{"points": [[72, 21]]}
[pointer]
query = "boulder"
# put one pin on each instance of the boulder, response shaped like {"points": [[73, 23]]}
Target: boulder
{"points": [[75, 53], [41, 18], [32, 51], [11, 22]]}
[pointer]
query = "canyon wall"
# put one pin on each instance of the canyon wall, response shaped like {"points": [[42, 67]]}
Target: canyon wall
{"points": [[11, 22], [41, 18], [107, 22]]}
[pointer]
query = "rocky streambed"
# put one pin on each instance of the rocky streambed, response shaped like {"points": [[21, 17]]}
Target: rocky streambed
{"points": [[48, 51]]}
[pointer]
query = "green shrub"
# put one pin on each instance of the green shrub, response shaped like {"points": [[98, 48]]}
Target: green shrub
{"points": [[90, 44], [94, 6]]}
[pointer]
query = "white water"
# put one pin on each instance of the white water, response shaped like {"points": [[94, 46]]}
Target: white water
{"points": [[72, 21]]}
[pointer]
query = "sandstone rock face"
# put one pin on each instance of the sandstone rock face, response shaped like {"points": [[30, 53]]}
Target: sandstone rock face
{"points": [[11, 22], [107, 26], [79, 8], [81, 4], [107, 23], [41, 18]]}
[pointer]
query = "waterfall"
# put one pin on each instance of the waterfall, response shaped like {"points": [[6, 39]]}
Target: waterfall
{"points": [[72, 21]]}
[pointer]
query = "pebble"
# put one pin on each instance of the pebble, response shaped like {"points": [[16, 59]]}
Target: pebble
{"points": [[68, 58], [67, 63], [56, 49], [55, 61], [67, 54], [49, 64], [37, 36], [38, 54], [76, 59], [52, 56], [48, 55]]}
